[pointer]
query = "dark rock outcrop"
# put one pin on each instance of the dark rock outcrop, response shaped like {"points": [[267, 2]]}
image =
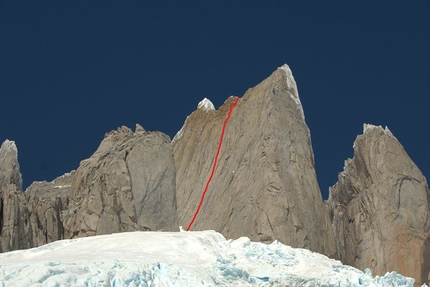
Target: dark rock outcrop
{"points": [[380, 208], [265, 185], [128, 184]]}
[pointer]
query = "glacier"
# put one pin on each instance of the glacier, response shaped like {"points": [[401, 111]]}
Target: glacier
{"points": [[195, 258]]}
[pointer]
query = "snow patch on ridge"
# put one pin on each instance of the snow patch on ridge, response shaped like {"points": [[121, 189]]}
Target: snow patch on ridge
{"points": [[369, 127], [180, 132], [292, 87], [9, 145], [67, 174], [63, 186], [206, 105]]}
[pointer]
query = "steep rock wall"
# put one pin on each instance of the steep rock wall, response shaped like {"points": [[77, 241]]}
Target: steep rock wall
{"points": [[380, 208], [15, 228], [128, 184], [265, 185]]}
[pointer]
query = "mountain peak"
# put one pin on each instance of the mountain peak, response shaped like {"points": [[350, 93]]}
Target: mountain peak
{"points": [[9, 165], [257, 188], [370, 130], [9, 145], [368, 127], [206, 105], [292, 87], [381, 196]]}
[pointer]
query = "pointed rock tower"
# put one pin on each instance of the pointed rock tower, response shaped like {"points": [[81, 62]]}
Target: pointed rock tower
{"points": [[15, 229], [265, 185], [380, 208]]}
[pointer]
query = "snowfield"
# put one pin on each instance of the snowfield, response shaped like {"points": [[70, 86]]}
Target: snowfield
{"points": [[197, 258]]}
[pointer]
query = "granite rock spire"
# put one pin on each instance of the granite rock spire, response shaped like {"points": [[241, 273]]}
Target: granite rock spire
{"points": [[265, 186], [380, 208]]}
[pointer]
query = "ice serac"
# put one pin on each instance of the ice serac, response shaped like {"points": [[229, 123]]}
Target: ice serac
{"points": [[128, 184], [265, 185], [380, 208], [15, 229]]}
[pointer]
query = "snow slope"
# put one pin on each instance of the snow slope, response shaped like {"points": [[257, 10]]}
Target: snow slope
{"points": [[198, 258]]}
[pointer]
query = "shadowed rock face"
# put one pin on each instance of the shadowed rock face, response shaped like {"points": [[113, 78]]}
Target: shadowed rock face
{"points": [[46, 201], [128, 184], [380, 209], [265, 185]]}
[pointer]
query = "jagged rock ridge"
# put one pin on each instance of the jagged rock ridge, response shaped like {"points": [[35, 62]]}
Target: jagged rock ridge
{"points": [[380, 208], [128, 184], [264, 187]]}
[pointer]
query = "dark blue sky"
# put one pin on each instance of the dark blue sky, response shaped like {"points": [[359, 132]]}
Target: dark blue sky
{"points": [[73, 71]]}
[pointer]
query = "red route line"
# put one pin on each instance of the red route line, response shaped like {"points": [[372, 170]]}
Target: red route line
{"points": [[215, 161]]}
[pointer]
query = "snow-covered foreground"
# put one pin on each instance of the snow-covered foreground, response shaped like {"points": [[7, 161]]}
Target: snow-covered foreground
{"points": [[196, 258]]}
